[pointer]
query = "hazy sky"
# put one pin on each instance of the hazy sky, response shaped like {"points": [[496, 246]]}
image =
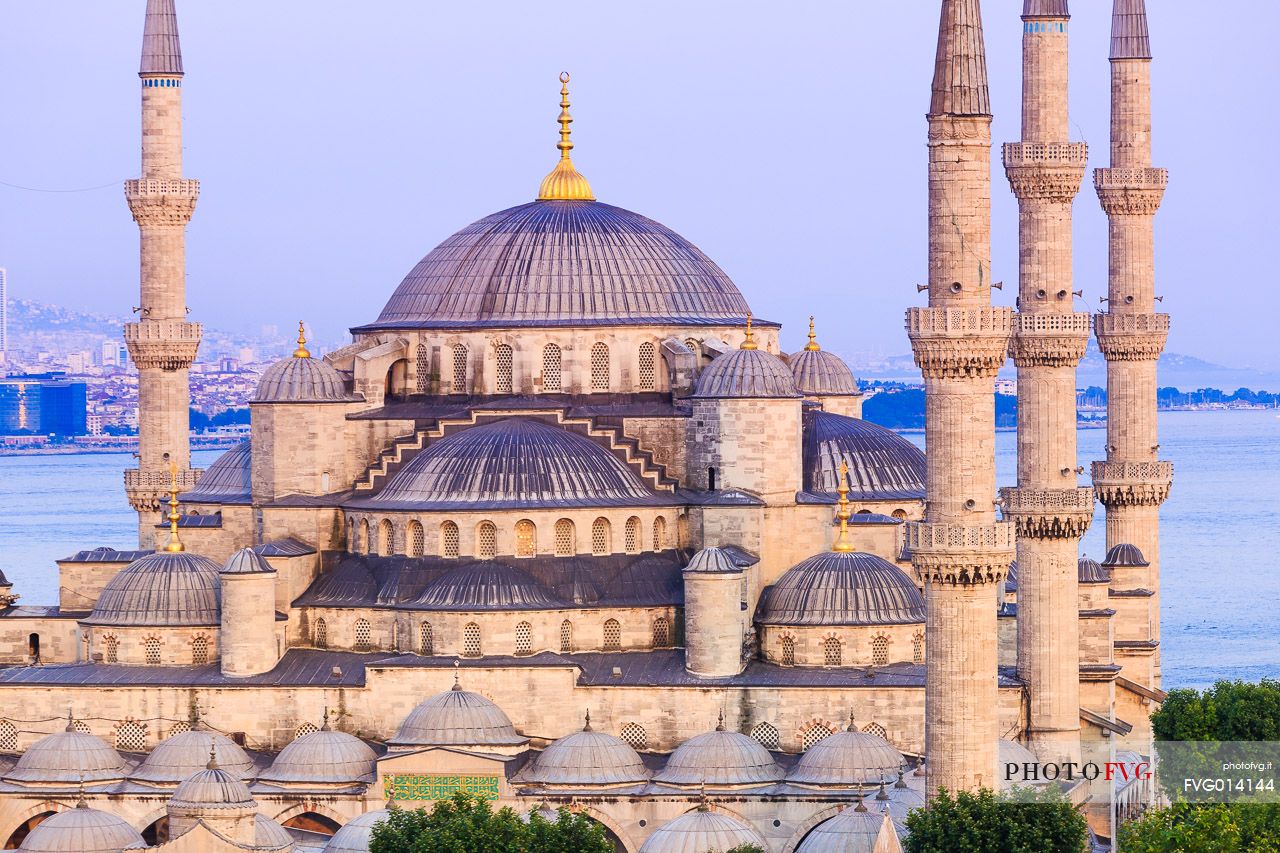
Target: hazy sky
{"points": [[338, 142]]}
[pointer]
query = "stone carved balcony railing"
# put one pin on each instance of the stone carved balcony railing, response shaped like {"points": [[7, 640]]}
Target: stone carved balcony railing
{"points": [[1048, 513], [163, 344], [149, 490], [1050, 340], [1131, 337], [1130, 191], [162, 202], [1045, 170], [1132, 483], [960, 553], [959, 342]]}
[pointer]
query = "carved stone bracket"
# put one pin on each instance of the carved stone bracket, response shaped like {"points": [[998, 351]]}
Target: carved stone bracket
{"points": [[960, 555], [1132, 483], [1049, 340], [148, 491], [163, 344], [1048, 513], [952, 343], [156, 202], [1048, 171], [1131, 337], [1133, 192]]}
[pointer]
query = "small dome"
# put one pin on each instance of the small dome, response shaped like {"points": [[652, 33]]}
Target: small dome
{"points": [[212, 788], [819, 373], [226, 480], [173, 589], [1088, 571], [847, 758], [702, 831], [246, 561], [457, 717], [746, 374], [486, 586], [302, 380], [588, 758], [68, 757], [1124, 555], [720, 758], [842, 589], [83, 830], [270, 835], [712, 561], [1012, 752], [355, 834], [882, 464], [323, 756], [855, 830], [177, 758]]}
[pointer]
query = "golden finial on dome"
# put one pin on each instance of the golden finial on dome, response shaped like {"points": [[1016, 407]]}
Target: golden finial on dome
{"points": [[812, 346], [175, 544], [565, 183], [750, 341], [302, 351], [842, 544]]}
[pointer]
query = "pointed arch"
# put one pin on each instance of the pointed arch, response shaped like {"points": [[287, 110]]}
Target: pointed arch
{"points": [[486, 540], [566, 538], [552, 360], [504, 355], [600, 371], [648, 364], [449, 546], [415, 539], [460, 359]]}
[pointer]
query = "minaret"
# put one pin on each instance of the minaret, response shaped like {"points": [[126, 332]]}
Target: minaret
{"points": [[1133, 481], [960, 551], [162, 344], [1049, 509]]}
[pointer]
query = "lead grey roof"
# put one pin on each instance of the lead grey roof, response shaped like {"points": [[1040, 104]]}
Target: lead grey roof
{"points": [[700, 831], [713, 561], [842, 589], [1124, 555], [161, 48], [855, 830], [183, 755], [847, 758], [457, 717], [882, 464], [302, 380], [104, 554], [246, 561], [355, 834], [486, 586], [563, 263], [1088, 571], [587, 758], [746, 374], [288, 547], [1129, 36], [68, 757], [212, 788], [162, 589], [1045, 9], [83, 830], [960, 68], [821, 373], [720, 758], [226, 480], [324, 756]]}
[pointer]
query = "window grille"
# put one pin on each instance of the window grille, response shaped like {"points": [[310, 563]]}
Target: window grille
{"points": [[813, 734], [917, 648], [179, 728], [131, 736], [524, 638], [648, 367], [659, 533], [661, 633], [788, 651], [151, 647], [322, 634], [900, 514], [505, 366], [417, 539], [426, 639], [694, 347], [831, 654], [486, 540], [551, 368], [112, 649], [600, 545], [8, 737], [526, 538], [632, 540], [200, 649], [599, 367], [459, 369], [876, 729], [424, 369], [82, 727], [305, 729], [364, 635], [767, 736], [566, 541], [880, 651], [566, 636], [449, 539], [471, 640], [612, 635], [635, 735], [386, 539], [364, 536]]}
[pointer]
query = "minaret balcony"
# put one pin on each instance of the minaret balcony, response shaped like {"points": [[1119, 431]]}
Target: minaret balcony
{"points": [[961, 554], [162, 201], [1048, 513], [951, 343], [149, 490], [1130, 192], [1131, 336], [1132, 483], [1051, 171], [162, 344], [1050, 339]]}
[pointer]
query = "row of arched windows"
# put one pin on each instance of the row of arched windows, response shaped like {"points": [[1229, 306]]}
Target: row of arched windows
{"points": [[552, 367], [200, 648], [611, 636], [765, 733], [833, 650], [381, 540]]}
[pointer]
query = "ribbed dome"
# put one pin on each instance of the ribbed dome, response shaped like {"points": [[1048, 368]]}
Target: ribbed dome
{"points": [[212, 788], [720, 758], [227, 479], [702, 832], [270, 835], [354, 835], [486, 586], [1124, 555], [587, 758], [162, 589], [246, 561], [83, 830], [847, 758], [747, 374], [819, 373], [563, 263], [324, 756], [842, 589], [302, 380], [177, 758], [882, 464], [517, 462], [712, 561], [852, 831], [457, 717], [68, 757], [1088, 571]]}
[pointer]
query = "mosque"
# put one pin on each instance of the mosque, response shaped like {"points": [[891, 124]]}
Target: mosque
{"points": [[566, 525]]}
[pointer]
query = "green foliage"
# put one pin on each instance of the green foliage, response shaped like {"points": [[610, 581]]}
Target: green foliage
{"points": [[746, 848], [464, 824], [1220, 827], [1228, 711], [1038, 822]]}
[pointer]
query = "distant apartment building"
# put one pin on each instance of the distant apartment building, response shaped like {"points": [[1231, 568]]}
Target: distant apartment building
{"points": [[47, 404], [4, 315]]}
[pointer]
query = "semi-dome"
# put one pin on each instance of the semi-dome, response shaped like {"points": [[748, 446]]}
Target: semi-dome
{"points": [[302, 379], [513, 462], [847, 758], [226, 480], [842, 589], [83, 830], [324, 756], [1125, 555], [563, 263], [457, 717], [720, 758], [246, 561], [746, 374], [1089, 571], [177, 758], [702, 831], [68, 757], [164, 588], [587, 758], [855, 830], [212, 788], [486, 586], [355, 834], [882, 464]]}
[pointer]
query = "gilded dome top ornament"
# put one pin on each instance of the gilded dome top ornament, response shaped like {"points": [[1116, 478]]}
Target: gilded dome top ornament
{"points": [[812, 346], [750, 341], [302, 351], [565, 182], [842, 544], [174, 545]]}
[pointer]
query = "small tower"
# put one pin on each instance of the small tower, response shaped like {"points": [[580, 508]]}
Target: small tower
{"points": [[162, 344], [247, 640], [217, 799], [715, 623]]}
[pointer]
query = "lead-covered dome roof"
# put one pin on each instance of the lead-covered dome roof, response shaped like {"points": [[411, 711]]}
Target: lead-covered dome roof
{"points": [[588, 758], [819, 373], [720, 758], [563, 263], [324, 756], [83, 830], [842, 589], [302, 379], [457, 717], [177, 758], [882, 464], [227, 479], [355, 834], [212, 788], [702, 831], [68, 757], [847, 758], [746, 374], [1089, 571], [486, 586], [162, 589], [855, 830]]}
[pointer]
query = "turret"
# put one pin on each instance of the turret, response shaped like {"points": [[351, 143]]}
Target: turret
{"points": [[715, 622], [248, 640], [219, 800]]}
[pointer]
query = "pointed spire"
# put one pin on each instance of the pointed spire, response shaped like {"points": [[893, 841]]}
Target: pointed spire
{"points": [[960, 70], [174, 545], [1129, 37], [860, 807], [882, 795], [842, 544], [586, 727], [812, 346], [852, 727], [457, 682], [213, 755], [161, 49], [326, 727], [901, 784], [302, 351], [81, 803], [1045, 9], [565, 182], [71, 721], [749, 342], [720, 724]]}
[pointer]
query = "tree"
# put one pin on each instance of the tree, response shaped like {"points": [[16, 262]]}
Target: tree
{"points": [[1030, 822], [746, 848], [465, 824], [1228, 711], [1221, 827]]}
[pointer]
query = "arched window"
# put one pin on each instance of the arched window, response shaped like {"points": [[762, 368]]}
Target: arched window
{"points": [[199, 649], [526, 538], [767, 735], [711, 479], [661, 633], [131, 736], [364, 635], [659, 533], [831, 655], [788, 651], [416, 539], [306, 728], [505, 358], [648, 367], [322, 634], [635, 735], [566, 538], [876, 729], [8, 736], [917, 648], [551, 368], [600, 544], [424, 369], [386, 538], [33, 646], [486, 540], [471, 640], [448, 539], [352, 545], [524, 638], [632, 536], [694, 347], [179, 728], [900, 514], [566, 636], [599, 366], [426, 640], [112, 646], [880, 651], [813, 734], [612, 635], [459, 369], [364, 536], [151, 648]]}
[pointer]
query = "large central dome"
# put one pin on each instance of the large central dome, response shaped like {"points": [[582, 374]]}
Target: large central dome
{"points": [[563, 263]]}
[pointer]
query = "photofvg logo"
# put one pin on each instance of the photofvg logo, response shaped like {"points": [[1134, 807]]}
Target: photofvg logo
{"points": [[1041, 772]]}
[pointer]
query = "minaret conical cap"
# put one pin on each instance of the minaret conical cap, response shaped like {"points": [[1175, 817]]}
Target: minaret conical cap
{"points": [[1129, 38], [565, 182], [161, 49], [1045, 9], [960, 70]]}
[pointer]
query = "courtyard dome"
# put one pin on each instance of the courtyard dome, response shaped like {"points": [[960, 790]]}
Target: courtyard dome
{"points": [[268, 834], [720, 758], [855, 830], [842, 589], [355, 834], [212, 787], [847, 758], [702, 831], [882, 464], [164, 588], [227, 479], [246, 561], [324, 756], [1124, 555], [302, 380], [176, 759], [513, 462], [746, 374], [83, 830], [588, 758], [1012, 752], [486, 586], [68, 757], [1088, 571], [822, 374], [457, 717]]}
